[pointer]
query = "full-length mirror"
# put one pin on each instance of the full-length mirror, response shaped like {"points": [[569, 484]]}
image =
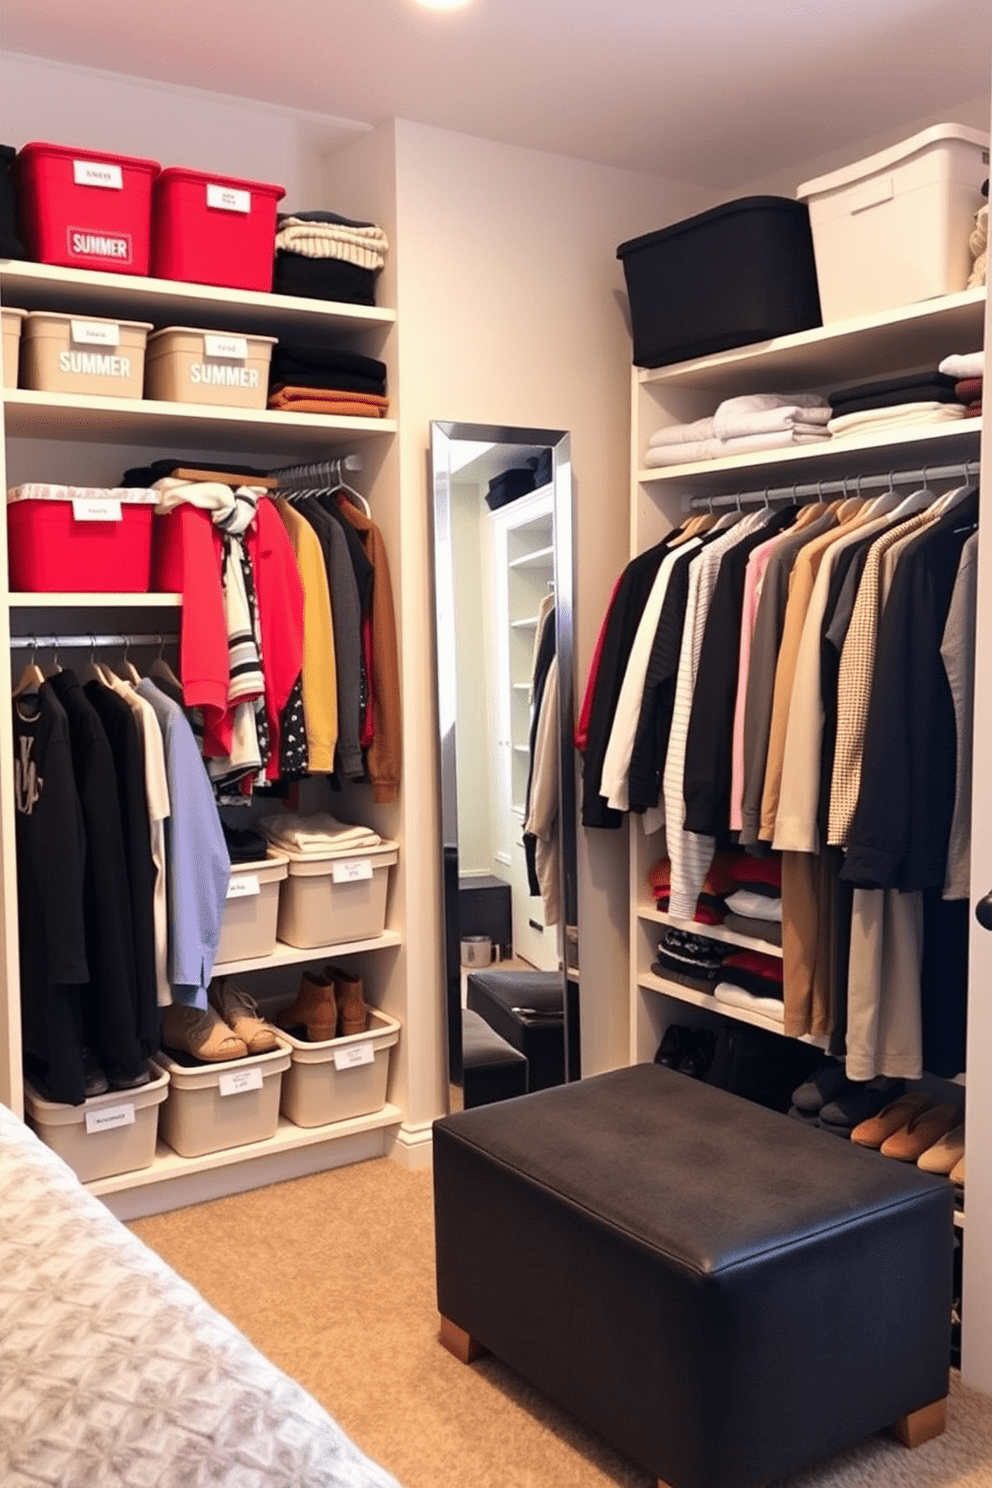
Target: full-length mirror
{"points": [[504, 610]]}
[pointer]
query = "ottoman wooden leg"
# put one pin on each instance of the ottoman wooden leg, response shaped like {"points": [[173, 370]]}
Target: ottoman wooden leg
{"points": [[465, 1348], [922, 1425]]}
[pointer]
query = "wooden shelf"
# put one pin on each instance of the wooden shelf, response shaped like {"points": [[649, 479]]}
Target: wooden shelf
{"points": [[169, 1165], [681, 993], [66, 601], [33, 286], [845, 352], [287, 955], [146, 421], [715, 932], [915, 445], [540, 558]]}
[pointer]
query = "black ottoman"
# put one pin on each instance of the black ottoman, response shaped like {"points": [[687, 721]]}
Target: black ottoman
{"points": [[723, 1294], [492, 1070], [526, 1008]]}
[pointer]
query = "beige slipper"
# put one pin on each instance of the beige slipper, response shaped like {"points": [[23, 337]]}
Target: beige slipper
{"points": [[922, 1130], [874, 1131], [200, 1032], [945, 1154], [957, 1174]]}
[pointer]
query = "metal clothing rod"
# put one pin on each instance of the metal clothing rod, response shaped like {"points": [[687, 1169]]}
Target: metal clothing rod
{"points": [[69, 642], [852, 485], [319, 471]]}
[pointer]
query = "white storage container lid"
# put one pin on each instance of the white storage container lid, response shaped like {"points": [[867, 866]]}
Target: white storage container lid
{"points": [[315, 865], [62, 318], [55, 1113], [248, 336], [12, 312], [203, 1076], [887, 159], [38, 491], [382, 1033]]}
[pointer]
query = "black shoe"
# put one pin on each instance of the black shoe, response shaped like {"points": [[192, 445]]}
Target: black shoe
{"points": [[94, 1080], [699, 1054], [674, 1046], [131, 1081]]}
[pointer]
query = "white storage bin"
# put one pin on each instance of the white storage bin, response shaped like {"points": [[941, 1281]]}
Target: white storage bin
{"points": [[328, 900], [12, 319], [341, 1078], [893, 228], [252, 908], [107, 1134], [83, 354], [211, 1107], [191, 366]]}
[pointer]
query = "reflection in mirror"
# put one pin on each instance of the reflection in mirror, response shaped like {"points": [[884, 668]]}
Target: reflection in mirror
{"points": [[504, 592]]}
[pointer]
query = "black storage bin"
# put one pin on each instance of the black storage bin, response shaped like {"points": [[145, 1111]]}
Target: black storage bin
{"points": [[740, 273], [508, 487]]}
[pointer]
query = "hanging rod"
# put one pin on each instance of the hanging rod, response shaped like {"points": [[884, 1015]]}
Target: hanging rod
{"points": [[69, 642], [318, 469], [852, 485]]}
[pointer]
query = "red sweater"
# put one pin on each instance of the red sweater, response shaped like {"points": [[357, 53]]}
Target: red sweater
{"points": [[188, 558]]}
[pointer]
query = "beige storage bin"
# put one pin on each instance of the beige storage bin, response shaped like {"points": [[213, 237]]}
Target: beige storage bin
{"points": [[107, 1134], [325, 901], [341, 1078], [12, 319], [249, 924], [83, 354], [191, 366], [211, 1107], [893, 228]]}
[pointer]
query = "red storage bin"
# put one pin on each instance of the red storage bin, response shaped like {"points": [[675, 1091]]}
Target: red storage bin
{"points": [[214, 229], [60, 540], [83, 209]]}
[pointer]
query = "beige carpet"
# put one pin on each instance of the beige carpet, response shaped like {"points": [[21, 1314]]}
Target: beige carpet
{"points": [[332, 1277]]}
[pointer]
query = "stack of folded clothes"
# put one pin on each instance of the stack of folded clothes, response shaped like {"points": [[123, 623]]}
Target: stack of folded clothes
{"points": [[893, 402], [244, 845], [324, 256], [316, 835], [757, 421], [312, 379], [754, 906], [750, 979], [692, 960], [711, 905], [968, 371]]}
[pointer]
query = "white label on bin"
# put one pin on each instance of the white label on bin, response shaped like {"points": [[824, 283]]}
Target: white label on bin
{"points": [[98, 173], [96, 509], [95, 332], [354, 1055], [85, 244], [227, 199], [108, 1116], [244, 886], [227, 348], [352, 870], [237, 1082]]}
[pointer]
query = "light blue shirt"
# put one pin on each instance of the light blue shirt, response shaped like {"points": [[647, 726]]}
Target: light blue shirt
{"points": [[198, 866]]}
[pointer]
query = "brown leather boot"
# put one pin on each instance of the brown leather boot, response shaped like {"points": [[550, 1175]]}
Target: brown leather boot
{"points": [[315, 1007], [353, 1012]]}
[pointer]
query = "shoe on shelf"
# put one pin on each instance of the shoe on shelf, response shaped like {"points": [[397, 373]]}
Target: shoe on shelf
{"points": [[95, 1081], [353, 1011], [315, 1008], [133, 1080], [674, 1046], [874, 1131], [823, 1085], [699, 1053], [200, 1032], [910, 1142], [857, 1101], [240, 1013], [944, 1155]]}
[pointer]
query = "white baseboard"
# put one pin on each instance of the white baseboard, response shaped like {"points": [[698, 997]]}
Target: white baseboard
{"points": [[412, 1146]]}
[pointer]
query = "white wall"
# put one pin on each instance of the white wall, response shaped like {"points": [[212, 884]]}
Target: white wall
{"points": [[477, 755]]}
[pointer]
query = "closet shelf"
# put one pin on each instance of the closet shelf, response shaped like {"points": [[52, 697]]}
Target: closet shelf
{"points": [[539, 558], [287, 955], [34, 286], [846, 351], [654, 916], [526, 624], [169, 1165], [680, 993], [930, 444], [131, 421], [64, 601]]}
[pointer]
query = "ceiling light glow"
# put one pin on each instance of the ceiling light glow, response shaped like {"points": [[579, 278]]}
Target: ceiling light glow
{"points": [[442, 4]]}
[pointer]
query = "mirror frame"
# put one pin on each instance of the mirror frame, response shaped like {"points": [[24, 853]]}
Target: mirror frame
{"points": [[442, 435]]}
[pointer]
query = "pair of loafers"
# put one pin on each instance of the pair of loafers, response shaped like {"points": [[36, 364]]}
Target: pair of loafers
{"points": [[689, 1050], [916, 1129]]}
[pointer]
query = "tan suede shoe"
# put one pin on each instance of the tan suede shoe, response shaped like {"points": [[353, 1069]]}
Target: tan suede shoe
{"points": [[240, 1013], [200, 1032], [353, 1012], [910, 1142], [315, 1008], [874, 1131], [945, 1154]]}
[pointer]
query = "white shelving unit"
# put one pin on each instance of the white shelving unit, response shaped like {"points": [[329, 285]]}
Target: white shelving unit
{"points": [[916, 336], [115, 432]]}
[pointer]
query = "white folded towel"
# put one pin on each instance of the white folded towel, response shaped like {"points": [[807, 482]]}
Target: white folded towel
{"points": [[718, 449], [868, 420], [755, 906], [317, 833], [964, 364], [683, 433], [772, 1007], [756, 413]]}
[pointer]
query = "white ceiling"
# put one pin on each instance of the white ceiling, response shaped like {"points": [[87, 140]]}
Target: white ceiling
{"points": [[696, 90]]}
